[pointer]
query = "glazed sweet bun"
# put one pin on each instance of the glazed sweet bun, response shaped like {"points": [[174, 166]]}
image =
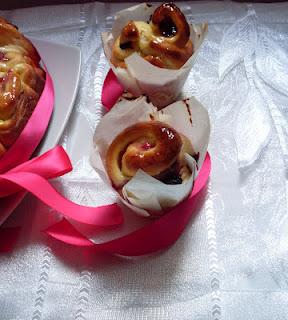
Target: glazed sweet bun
{"points": [[153, 146], [151, 158], [163, 41], [21, 83]]}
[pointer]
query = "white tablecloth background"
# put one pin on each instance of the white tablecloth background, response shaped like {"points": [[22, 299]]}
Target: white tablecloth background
{"points": [[231, 261]]}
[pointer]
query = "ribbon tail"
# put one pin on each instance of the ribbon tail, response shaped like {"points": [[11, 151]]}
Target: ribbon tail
{"points": [[155, 236], [99, 216], [65, 232], [151, 238], [51, 164]]}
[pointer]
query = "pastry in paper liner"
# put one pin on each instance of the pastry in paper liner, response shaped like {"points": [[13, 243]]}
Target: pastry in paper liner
{"points": [[144, 194], [162, 86]]}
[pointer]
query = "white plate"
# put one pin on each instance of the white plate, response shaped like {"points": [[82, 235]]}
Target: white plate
{"points": [[63, 63]]}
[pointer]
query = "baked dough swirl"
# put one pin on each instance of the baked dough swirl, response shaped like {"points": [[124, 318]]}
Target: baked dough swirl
{"points": [[152, 146], [21, 83], [164, 41]]}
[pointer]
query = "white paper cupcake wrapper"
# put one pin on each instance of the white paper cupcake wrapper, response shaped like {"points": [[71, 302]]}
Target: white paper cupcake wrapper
{"points": [[163, 86], [144, 193]]}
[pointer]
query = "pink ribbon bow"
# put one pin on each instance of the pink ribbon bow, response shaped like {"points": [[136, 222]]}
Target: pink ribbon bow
{"points": [[18, 175], [32, 176]]}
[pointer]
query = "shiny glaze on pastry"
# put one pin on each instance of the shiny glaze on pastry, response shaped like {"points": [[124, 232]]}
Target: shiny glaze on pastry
{"points": [[152, 146], [21, 83], [164, 41]]}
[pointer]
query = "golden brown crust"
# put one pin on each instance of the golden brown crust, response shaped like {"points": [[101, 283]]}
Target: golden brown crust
{"points": [[156, 61], [175, 56], [9, 34], [168, 21], [21, 82], [152, 146], [164, 41], [129, 35]]}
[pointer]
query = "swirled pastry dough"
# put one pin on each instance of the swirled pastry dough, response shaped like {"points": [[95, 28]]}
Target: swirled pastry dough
{"points": [[21, 83], [164, 41], [152, 146]]}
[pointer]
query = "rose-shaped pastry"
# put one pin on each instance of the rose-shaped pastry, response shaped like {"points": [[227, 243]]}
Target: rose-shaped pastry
{"points": [[152, 146], [151, 157], [152, 51], [21, 83], [163, 41]]}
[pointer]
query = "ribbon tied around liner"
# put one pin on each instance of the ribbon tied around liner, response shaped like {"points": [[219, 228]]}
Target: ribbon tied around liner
{"points": [[32, 176], [159, 233], [153, 237]]}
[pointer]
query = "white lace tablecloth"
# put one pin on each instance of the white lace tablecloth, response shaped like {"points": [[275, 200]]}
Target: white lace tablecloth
{"points": [[232, 260]]}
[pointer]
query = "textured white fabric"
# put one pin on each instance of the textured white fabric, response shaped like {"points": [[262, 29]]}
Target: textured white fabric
{"points": [[232, 260]]}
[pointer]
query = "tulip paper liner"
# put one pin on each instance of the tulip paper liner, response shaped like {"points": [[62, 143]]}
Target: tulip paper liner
{"points": [[155, 236], [32, 176], [161, 85]]}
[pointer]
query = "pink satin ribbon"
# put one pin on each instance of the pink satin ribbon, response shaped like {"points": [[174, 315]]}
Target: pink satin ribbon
{"points": [[151, 238], [51, 164], [32, 176], [18, 174], [112, 90], [22, 150]]}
